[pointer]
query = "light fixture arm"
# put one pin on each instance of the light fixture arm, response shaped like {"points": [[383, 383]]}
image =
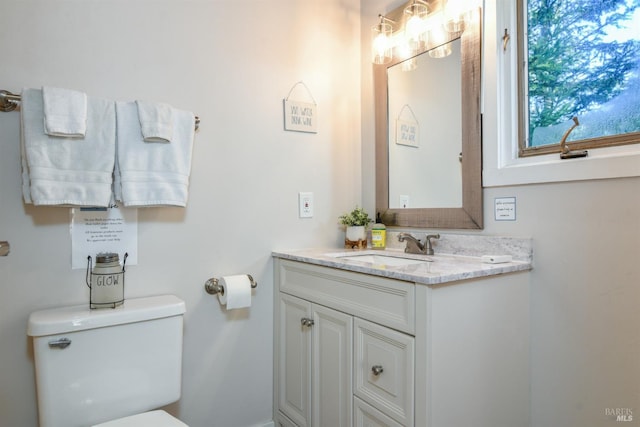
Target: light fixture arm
{"points": [[383, 18]]}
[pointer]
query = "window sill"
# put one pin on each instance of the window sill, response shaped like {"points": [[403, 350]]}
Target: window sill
{"points": [[601, 163]]}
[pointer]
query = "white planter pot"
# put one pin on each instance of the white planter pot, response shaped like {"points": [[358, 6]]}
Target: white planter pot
{"points": [[356, 237]]}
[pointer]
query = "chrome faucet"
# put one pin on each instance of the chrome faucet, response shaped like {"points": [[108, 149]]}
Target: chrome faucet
{"points": [[415, 246]]}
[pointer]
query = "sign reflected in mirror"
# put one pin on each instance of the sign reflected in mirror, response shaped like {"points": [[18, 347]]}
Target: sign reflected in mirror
{"points": [[435, 182]]}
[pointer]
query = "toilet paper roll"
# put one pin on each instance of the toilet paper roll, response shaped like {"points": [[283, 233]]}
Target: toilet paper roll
{"points": [[236, 291]]}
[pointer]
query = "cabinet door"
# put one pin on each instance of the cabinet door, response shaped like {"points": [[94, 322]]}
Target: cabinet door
{"points": [[294, 370], [332, 368]]}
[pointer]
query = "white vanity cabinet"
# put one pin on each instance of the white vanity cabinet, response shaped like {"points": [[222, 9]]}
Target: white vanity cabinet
{"points": [[358, 349], [332, 343]]}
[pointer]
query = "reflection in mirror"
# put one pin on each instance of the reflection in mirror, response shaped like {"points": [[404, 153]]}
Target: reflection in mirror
{"points": [[425, 136], [432, 189]]}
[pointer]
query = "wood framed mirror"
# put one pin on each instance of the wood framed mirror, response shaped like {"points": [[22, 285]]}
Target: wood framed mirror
{"points": [[467, 212]]}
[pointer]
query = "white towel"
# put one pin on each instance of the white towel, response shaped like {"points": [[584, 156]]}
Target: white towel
{"points": [[152, 174], [26, 182], [75, 172], [156, 121], [65, 112]]}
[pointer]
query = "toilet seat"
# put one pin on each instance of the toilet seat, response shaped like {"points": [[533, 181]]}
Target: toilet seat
{"points": [[156, 418]]}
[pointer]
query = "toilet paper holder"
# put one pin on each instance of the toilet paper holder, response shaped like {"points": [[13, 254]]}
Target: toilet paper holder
{"points": [[213, 286]]}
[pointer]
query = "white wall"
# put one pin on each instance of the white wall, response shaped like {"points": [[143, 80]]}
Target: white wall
{"points": [[232, 63], [585, 347]]}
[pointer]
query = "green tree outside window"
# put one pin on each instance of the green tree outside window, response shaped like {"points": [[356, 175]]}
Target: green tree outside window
{"points": [[583, 59]]}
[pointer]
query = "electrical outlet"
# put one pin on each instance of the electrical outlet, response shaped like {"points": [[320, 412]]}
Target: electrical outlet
{"points": [[404, 201], [305, 204]]}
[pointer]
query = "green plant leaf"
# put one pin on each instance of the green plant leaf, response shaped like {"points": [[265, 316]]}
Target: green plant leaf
{"points": [[356, 217]]}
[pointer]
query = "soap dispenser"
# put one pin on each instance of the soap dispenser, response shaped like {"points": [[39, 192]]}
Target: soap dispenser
{"points": [[378, 234]]}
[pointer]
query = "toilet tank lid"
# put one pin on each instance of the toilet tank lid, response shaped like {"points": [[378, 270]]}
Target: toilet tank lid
{"points": [[80, 317]]}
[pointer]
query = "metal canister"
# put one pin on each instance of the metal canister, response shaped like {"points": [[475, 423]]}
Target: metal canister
{"points": [[106, 280]]}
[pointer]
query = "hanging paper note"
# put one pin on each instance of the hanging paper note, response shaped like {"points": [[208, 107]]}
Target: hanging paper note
{"points": [[407, 128], [95, 230], [300, 116]]}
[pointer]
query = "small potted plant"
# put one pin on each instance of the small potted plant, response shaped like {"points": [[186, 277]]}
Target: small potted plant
{"points": [[356, 223]]}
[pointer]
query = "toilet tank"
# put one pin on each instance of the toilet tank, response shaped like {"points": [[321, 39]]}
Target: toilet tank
{"points": [[117, 362]]}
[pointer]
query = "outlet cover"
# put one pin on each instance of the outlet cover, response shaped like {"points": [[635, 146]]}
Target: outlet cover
{"points": [[305, 204]]}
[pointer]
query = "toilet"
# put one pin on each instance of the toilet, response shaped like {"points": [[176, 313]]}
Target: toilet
{"points": [[109, 367]]}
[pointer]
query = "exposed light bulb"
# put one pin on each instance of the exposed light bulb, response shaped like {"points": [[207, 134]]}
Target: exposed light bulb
{"points": [[380, 45], [415, 27]]}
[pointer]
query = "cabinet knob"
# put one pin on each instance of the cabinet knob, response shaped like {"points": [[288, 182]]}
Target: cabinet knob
{"points": [[377, 370], [306, 321]]}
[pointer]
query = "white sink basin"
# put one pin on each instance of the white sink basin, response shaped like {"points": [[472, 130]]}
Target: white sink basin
{"points": [[383, 260]]}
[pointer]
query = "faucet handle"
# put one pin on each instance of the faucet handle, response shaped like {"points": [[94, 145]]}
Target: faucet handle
{"points": [[428, 245]]}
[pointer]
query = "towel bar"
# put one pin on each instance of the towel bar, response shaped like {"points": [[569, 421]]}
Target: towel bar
{"points": [[9, 102]]}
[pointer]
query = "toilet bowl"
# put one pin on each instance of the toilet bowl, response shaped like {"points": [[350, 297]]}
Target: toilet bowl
{"points": [[109, 367]]}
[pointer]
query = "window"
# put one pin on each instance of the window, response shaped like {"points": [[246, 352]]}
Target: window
{"points": [[578, 59]]}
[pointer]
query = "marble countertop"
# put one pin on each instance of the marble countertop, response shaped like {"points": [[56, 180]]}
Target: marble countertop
{"points": [[437, 269]]}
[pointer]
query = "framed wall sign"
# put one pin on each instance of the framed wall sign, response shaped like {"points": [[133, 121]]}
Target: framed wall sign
{"points": [[300, 116]]}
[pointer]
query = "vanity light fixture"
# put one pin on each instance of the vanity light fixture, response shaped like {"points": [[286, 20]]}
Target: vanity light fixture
{"points": [[418, 28], [382, 47]]}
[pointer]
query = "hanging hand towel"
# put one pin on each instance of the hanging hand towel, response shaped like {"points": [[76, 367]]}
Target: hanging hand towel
{"points": [[65, 112], [26, 182], [66, 171], [156, 121], [152, 174]]}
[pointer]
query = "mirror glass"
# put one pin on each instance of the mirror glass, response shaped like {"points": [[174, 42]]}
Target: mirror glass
{"points": [[428, 137], [425, 136]]}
